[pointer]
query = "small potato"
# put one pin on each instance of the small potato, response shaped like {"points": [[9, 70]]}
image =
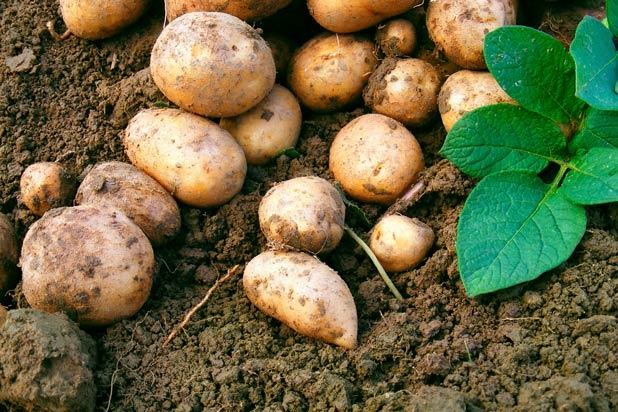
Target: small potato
{"points": [[193, 158], [124, 187], [404, 89], [396, 37], [213, 64], [282, 48], [91, 262], [303, 293], [466, 90], [99, 19], [306, 213], [375, 158], [329, 71], [9, 255], [400, 242], [268, 128], [45, 185], [243, 9]]}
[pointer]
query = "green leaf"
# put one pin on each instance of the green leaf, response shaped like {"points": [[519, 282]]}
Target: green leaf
{"points": [[593, 177], [596, 64], [599, 129], [611, 7], [535, 69], [503, 137], [513, 228]]}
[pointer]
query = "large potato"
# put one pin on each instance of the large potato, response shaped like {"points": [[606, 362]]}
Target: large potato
{"points": [[243, 9], [212, 64], [306, 213], [193, 158], [9, 254], [125, 187], [91, 262], [305, 294], [45, 185]]}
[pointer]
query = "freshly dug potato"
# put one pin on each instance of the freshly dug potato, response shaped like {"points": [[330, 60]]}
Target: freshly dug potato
{"points": [[400, 242], [213, 64], [9, 255], [404, 89], [306, 213], [45, 185], [458, 27], [99, 19], [329, 71], [375, 158], [282, 48], [268, 128], [303, 293], [396, 37], [466, 90], [354, 15], [243, 9], [123, 186], [89, 261], [193, 158]]}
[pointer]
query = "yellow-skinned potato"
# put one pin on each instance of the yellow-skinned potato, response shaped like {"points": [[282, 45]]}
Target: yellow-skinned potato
{"points": [[375, 158], [99, 19], [213, 64], [9, 254], [125, 187], [193, 158], [396, 37], [329, 71], [45, 185], [243, 9], [303, 293], [268, 128], [91, 262]]}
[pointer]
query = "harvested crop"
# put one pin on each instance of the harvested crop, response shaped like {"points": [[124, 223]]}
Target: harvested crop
{"points": [[45, 185]]}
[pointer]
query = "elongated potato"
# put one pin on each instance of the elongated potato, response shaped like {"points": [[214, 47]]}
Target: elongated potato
{"points": [[45, 185], [305, 294], [9, 254], [243, 9], [193, 158]]}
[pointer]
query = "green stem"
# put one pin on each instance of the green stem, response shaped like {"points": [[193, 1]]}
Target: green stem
{"points": [[375, 261]]}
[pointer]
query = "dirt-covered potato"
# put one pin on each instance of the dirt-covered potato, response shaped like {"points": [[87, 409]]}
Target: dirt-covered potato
{"points": [[328, 72], [466, 90], [123, 186], [404, 89], [268, 128], [303, 293], [193, 158], [9, 255], [282, 48], [243, 9], [396, 37], [99, 19], [213, 64], [306, 213], [45, 185], [375, 158], [458, 28], [89, 261]]}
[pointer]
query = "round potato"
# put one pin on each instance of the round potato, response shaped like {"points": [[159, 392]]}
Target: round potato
{"points": [[193, 158], [396, 37], [375, 158], [282, 48], [213, 64], [123, 186], [91, 262], [45, 185], [9, 255], [243, 9], [306, 213], [303, 293]]}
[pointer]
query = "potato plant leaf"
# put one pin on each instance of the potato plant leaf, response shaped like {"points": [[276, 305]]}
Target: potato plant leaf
{"points": [[611, 7], [513, 228], [593, 178], [599, 129]]}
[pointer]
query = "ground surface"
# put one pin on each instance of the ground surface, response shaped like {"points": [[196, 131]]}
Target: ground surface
{"points": [[551, 344]]}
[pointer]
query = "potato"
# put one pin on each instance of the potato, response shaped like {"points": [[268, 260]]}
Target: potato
{"points": [[282, 48], [375, 158], [354, 15], [268, 128], [303, 293], [124, 187], [212, 64], [404, 89], [396, 37], [458, 27], [99, 19], [89, 261], [306, 213], [243, 9], [45, 185], [400, 242], [193, 158], [466, 90], [328, 72], [9, 255]]}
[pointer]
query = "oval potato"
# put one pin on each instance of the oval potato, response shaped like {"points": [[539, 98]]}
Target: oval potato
{"points": [[243, 9], [46, 185]]}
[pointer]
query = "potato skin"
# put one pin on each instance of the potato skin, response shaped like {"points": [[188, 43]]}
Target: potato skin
{"points": [[303, 293], [124, 187], [306, 213], [46, 185], [212, 64], [397, 37], [375, 158], [243, 9], [9, 254], [91, 262], [193, 158]]}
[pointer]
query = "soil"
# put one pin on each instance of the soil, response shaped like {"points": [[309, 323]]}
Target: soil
{"points": [[549, 344]]}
